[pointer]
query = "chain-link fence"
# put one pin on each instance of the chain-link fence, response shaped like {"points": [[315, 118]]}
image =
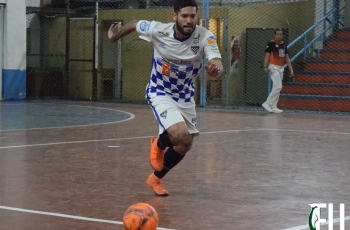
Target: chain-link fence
{"points": [[69, 55]]}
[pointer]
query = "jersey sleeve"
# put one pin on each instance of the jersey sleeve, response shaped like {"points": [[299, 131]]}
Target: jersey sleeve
{"points": [[268, 48], [211, 48], [145, 28]]}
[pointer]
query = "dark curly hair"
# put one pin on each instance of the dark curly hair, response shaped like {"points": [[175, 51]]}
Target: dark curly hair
{"points": [[179, 4]]}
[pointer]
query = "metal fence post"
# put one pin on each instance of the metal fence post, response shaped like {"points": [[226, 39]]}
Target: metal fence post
{"points": [[203, 89]]}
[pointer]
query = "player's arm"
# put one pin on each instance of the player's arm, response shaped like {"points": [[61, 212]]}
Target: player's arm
{"points": [[116, 32], [266, 62], [214, 67], [289, 63]]}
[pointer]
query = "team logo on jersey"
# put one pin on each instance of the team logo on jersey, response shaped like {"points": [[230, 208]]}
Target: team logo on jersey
{"points": [[143, 26], [195, 49], [196, 39], [282, 53], [162, 45], [164, 33], [163, 114], [215, 48], [276, 45], [211, 40]]}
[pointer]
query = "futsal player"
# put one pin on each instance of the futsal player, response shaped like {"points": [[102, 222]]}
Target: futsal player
{"points": [[179, 49]]}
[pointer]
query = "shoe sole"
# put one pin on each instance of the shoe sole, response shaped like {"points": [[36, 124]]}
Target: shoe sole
{"points": [[158, 194], [161, 194]]}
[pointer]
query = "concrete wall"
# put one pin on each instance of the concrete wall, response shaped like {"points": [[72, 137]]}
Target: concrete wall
{"points": [[136, 53], [33, 3], [347, 14], [297, 17], [14, 51], [2, 5]]}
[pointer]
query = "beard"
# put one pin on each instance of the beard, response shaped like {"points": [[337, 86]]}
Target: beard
{"points": [[182, 30]]}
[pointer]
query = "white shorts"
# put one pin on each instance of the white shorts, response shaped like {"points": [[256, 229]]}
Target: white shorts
{"points": [[169, 112]]}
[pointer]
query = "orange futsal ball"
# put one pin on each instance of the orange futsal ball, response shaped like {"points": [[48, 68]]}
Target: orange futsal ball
{"points": [[140, 216]]}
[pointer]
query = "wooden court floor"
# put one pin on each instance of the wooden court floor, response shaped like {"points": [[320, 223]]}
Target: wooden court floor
{"points": [[79, 165]]}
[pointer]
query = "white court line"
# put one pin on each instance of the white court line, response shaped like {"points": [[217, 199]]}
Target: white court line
{"points": [[203, 133], [114, 139], [113, 146], [68, 216], [301, 227], [132, 116], [308, 131], [72, 142]]}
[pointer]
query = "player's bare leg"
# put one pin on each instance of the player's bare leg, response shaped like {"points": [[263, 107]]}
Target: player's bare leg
{"points": [[179, 142], [180, 137]]}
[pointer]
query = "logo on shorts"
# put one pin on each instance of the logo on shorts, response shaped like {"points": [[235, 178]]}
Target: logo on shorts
{"points": [[163, 114], [194, 120]]}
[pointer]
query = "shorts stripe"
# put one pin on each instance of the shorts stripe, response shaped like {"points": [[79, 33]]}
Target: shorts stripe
{"points": [[156, 114]]}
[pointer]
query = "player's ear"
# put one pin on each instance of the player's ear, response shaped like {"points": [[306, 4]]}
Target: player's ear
{"points": [[174, 16]]}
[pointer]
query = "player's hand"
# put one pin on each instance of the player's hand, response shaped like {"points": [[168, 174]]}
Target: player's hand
{"points": [[212, 70], [113, 32], [266, 70], [292, 75]]}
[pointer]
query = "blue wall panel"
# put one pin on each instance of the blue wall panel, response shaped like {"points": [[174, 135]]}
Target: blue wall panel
{"points": [[13, 84]]}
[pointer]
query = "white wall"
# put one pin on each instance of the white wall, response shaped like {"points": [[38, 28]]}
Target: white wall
{"points": [[13, 78], [15, 35], [32, 3], [1, 44]]}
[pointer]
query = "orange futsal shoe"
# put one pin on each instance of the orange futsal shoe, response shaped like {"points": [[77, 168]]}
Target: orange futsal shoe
{"points": [[156, 185], [156, 157]]}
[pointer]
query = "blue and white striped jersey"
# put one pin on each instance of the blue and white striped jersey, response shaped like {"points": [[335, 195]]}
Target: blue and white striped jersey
{"points": [[176, 63]]}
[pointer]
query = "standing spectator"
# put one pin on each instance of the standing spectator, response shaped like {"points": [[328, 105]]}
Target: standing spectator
{"points": [[275, 58]]}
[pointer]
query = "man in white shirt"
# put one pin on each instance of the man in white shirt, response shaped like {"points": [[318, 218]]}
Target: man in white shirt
{"points": [[179, 49]]}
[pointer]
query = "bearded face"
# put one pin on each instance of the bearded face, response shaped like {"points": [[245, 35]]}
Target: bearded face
{"points": [[186, 29], [185, 21]]}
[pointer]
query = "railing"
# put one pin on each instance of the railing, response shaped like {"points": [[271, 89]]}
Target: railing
{"points": [[304, 35], [334, 11]]}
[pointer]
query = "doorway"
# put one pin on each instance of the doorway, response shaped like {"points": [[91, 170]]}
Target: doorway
{"points": [[82, 81]]}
